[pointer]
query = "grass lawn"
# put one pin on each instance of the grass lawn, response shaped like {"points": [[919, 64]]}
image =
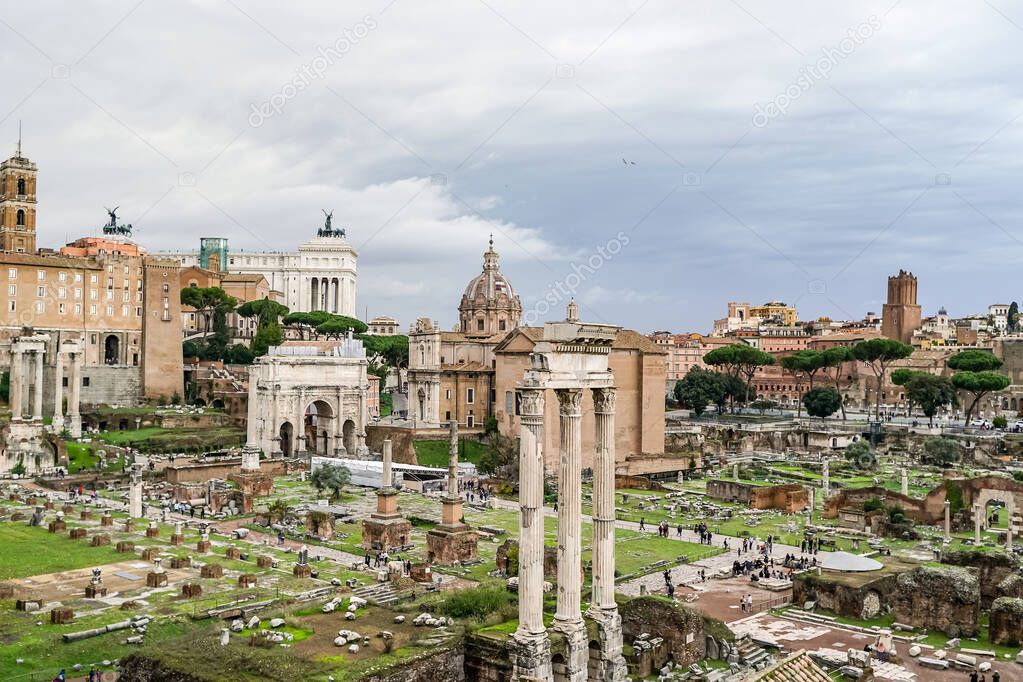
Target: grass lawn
{"points": [[82, 456], [434, 453], [29, 551], [159, 439]]}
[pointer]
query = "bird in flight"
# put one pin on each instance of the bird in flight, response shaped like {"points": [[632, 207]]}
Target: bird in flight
{"points": [[628, 163]]}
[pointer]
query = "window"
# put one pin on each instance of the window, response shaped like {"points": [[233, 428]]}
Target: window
{"points": [[40, 307], [40, 275], [93, 279], [447, 394], [12, 289], [85, 381], [61, 292], [124, 310], [509, 402], [62, 309], [92, 294], [78, 277], [447, 415], [78, 308], [138, 312], [12, 273], [40, 291], [479, 324], [110, 311], [11, 305], [21, 217], [470, 395], [62, 276], [500, 325], [21, 186], [78, 293]]}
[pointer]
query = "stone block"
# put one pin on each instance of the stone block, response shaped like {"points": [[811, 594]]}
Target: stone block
{"points": [[55, 526], [246, 580], [150, 553], [67, 509], [95, 591], [126, 547], [265, 561], [100, 540], [177, 540], [152, 532], [86, 515], [77, 533], [233, 553], [48, 505], [106, 520], [203, 546], [180, 562], [28, 605], [302, 571]]}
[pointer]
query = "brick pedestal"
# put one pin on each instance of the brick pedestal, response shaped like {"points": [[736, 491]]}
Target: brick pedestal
{"points": [[233, 553], [212, 571], [85, 515], [302, 570], [47, 505], [150, 553], [177, 539], [190, 590], [56, 526], [246, 580], [100, 540], [67, 509], [77, 533], [181, 562], [126, 547], [152, 532], [128, 526], [203, 546], [95, 591], [106, 520], [156, 580], [60, 616], [265, 561]]}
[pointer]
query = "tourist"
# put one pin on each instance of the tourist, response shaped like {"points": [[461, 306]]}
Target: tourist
{"points": [[679, 529], [642, 521], [996, 676]]}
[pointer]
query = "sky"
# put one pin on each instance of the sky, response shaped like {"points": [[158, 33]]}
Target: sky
{"points": [[651, 159]]}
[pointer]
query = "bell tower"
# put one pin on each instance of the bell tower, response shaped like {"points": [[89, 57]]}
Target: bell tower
{"points": [[18, 203]]}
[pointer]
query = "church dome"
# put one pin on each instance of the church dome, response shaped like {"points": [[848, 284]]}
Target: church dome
{"points": [[489, 304]]}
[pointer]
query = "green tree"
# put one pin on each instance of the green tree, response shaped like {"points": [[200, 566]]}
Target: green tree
{"points": [[978, 384], [305, 322], [822, 402], [5, 385], [861, 453], [239, 354], [740, 360], [331, 477], [265, 336], [833, 360], [943, 452], [973, 361], [930, 392], [206, 300], [268, 312], [697, 389], [1012, 317], [339, 325], [393, 349], [763, 405], [878, 354], [278, 511], [802, 363]]}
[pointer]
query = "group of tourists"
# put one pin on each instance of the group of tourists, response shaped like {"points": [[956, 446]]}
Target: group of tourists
{"points": [[746, 603], [383, 559]]}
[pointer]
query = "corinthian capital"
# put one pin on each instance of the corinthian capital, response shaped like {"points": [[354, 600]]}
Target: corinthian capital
{"points": [[570, 400], [604, 399], [531, 401]]}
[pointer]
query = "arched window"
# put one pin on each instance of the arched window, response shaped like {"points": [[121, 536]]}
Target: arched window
{"points": [[21, 217], [21, 186]]}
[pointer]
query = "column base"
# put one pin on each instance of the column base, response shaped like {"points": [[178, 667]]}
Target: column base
{"points": [[531, 658], [575, 667], [607, 664]]}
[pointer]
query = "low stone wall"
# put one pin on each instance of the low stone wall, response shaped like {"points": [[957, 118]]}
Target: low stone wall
{"points": [[1006, 623], [445, 665], [788, 498], [830, 592], [402, 449], [993, 568], [200, 472], [681, 627], [945, 598]]}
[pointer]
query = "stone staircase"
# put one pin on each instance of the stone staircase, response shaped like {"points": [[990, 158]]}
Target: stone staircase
{"points": [[381, 594], [752, 654]]}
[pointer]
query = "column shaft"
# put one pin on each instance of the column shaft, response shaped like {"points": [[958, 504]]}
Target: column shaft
{"points": [[74, 399], [570, 509], [37, 396], [604, 501], [17, 384], [531, 521], [58, 393]]}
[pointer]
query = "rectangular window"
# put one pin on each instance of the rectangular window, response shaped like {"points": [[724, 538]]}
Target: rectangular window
{"points": [[78, 277], [78, 293], [92, 311], [470, 395], [40, 275], [40, 307], [62, 276], [447, 394], [78, 308], [62, 309], [40, 291], [11, 305], [85, 381], [138, 312], [93, 279], [110, 311], [92, 294], [12, 289], [124, 310], [509, 402], [61, 292], [12, 273]]}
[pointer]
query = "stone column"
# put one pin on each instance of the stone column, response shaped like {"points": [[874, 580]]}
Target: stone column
{"points": [[977, 511], [568, 617], [17, 384], [386, 477], [610, 666], [58, 393], [300, 425], [37, 395], [532, 652], [1010, 510], [74, 419], [135, 492], [948, 521], [250, 457], [826, 478], [905, 482]]}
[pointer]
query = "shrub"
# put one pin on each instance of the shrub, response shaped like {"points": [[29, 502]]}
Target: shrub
{"points": [[999, 422], [896, 514], [873, 504], [476, 603]]}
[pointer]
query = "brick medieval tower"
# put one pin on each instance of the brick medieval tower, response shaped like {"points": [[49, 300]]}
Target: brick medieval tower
{"points": [[900, 316]]}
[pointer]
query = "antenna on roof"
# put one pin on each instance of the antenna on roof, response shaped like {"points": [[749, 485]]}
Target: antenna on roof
{"points": [[18, 154]]}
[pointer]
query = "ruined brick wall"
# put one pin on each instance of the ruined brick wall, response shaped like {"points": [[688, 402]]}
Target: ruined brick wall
{"points": [[862, 602], [945, 598], [993, 568], [681, 627], [1006, 624]]}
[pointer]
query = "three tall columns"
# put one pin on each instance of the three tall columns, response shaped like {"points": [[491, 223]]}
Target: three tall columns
{"points": [[533, 660]]}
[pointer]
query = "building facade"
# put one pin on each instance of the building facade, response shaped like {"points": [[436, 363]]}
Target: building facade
{"points": [[320, 275]]}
